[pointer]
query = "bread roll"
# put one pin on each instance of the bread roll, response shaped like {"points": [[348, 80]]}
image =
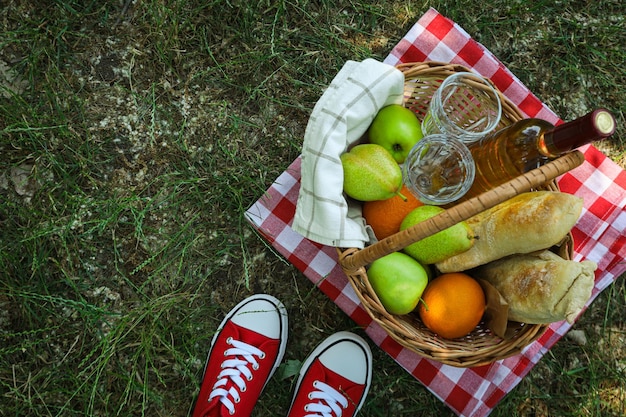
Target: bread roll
{"points": [[526, 223], [541, 287]]}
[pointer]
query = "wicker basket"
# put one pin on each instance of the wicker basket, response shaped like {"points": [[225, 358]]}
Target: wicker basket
{"points": [[481, 346]]}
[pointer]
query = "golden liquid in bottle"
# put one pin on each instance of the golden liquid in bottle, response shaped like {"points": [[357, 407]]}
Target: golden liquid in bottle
{"points": [[509, 154]]}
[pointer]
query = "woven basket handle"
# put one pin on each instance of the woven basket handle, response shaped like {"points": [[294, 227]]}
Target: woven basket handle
{"points": [[463, 211]]}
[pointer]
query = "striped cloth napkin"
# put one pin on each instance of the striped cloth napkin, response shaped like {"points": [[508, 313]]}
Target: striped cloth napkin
{"points": [[339, 119], [600, 235]]}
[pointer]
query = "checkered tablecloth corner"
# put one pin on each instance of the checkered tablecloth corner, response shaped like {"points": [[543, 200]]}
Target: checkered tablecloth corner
{"points": [[436, 38], [600, 235]]}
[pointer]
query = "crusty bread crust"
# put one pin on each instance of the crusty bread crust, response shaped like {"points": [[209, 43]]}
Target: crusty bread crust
{"points": [[541, 287], [526, 223]]}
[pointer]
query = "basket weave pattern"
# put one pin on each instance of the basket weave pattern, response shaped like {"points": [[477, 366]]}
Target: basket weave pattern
{"points": [[481, 346]]}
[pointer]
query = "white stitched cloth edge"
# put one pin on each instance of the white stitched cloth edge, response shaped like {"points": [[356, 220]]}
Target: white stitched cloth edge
{"points": [[339, 119]]}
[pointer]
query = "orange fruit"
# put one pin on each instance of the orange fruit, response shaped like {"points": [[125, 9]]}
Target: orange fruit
{"points": [[453, 305], [385, 216]]}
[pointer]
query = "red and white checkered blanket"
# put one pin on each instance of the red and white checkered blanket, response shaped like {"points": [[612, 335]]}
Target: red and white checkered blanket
{"points": [[600, 235]]}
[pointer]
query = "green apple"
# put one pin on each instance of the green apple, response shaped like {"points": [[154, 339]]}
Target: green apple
{"points": [[396, 129], [440, 246], [370, 173], [399, 281]]}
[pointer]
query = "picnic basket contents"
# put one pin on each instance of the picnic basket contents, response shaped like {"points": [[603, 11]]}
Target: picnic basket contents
{"points": [[509, 242]]}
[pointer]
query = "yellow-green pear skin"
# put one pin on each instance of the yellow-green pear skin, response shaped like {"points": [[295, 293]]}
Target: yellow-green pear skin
{"points": [[440, 246], [370, 173]]}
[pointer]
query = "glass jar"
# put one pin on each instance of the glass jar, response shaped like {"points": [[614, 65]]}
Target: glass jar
{"points": [[439, 169], [465, 107]]}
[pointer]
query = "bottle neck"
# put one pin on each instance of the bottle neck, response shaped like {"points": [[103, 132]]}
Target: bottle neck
{"points": [[594, 126]]}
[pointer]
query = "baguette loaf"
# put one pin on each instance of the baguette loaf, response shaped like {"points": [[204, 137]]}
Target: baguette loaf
{"points": [[526, 223], [541, 287]]}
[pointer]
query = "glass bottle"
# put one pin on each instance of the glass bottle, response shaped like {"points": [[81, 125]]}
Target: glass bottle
{"points": [[530, 143]]}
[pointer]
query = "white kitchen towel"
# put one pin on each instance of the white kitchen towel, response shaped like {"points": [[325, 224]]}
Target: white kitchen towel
{"points": [[339, 119]]}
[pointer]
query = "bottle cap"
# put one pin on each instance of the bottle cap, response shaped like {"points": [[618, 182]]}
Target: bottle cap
{"points": [[605, 122]]}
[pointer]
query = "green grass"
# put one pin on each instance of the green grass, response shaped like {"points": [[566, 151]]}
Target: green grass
{"points": [[146, 132]]}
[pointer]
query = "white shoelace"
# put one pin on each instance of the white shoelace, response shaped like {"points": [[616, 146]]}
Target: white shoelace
{"points": [[235, 369], [329, 402]]}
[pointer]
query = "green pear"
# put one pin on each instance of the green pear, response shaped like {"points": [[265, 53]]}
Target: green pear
{"points": [[442, 245], [399, 281], [370, 173]]}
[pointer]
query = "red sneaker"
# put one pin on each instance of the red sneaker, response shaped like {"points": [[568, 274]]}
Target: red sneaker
{"points": [[334, 379], [246, 350]]}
